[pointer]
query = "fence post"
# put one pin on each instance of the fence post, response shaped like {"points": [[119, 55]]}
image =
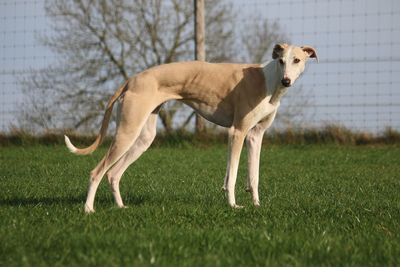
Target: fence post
{"points": [[200, 49]]}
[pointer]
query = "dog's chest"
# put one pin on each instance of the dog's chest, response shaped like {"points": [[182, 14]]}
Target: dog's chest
{"points": [[263, 111]]}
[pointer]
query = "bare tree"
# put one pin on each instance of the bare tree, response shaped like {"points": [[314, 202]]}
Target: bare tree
{"points": [[99, 44]]}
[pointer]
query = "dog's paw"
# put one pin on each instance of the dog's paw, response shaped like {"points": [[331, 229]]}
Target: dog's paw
{"points": [[88, 210], [235, 206]]}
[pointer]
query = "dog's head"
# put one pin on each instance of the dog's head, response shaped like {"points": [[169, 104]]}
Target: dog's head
{"points": [[291, 61]]}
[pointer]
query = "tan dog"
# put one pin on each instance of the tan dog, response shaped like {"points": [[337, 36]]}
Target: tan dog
{"points": [[241, 97]]}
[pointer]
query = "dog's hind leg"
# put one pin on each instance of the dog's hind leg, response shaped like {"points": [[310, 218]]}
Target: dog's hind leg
{"points": [[143, 142], [136, 108]]}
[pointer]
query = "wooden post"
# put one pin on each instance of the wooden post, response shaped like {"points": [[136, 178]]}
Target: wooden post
{"points": [[200, 49], [199, 30]]}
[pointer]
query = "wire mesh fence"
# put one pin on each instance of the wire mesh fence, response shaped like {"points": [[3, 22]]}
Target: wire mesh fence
{"points": [[355, 83]]}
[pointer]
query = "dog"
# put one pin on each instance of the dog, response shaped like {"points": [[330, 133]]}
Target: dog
{"points": [[241, 97]]}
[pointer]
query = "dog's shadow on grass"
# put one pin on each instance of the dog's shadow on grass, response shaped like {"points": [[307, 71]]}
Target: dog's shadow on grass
{"points": [[62, 201], [41, 201]]}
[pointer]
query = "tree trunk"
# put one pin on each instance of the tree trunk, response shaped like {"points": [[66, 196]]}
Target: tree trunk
{"points": [[200, 50]]}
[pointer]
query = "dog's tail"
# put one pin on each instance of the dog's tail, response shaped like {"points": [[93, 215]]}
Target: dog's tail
{"points": [[104, 126]]}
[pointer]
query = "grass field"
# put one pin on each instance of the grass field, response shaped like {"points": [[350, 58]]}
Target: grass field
{"points": [[320, 206]]}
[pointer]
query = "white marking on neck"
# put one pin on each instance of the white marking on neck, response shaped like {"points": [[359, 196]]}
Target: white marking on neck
{"points": [[265, 63], [270, 76]]}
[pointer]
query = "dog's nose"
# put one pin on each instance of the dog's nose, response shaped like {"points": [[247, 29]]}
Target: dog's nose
{"points": [[286, 82]]}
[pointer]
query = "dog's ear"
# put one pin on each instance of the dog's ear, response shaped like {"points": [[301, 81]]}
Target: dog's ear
{"points": [[310, 51], [278, 49]]}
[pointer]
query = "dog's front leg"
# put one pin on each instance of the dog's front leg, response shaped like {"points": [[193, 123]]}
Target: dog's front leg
{"points": [[253, 143], [236, 138]]}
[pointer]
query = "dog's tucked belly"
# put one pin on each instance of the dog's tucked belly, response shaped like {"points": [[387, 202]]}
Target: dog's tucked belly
{"points": [[215, 115]]}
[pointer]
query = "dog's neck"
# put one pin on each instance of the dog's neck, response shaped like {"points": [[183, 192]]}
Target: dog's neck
{"points": [[275, 89]]}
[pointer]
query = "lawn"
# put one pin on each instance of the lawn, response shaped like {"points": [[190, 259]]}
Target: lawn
{"points": [[320, 206]]}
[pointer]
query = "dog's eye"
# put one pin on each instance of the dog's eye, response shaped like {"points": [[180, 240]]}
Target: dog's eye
{"points": [[281, 61], [296, 60]]}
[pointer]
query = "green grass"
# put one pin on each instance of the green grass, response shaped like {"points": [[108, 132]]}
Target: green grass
{"points": [[320, 206]]}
